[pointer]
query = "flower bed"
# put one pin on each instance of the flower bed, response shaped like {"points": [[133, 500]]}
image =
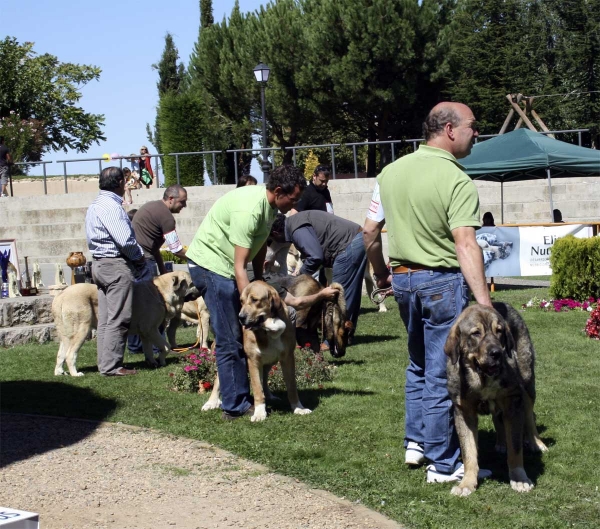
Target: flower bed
{"points": [[561, 305], [196, 372]]}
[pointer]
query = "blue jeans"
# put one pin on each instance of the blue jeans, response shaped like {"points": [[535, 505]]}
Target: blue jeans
{"points": [[223, 301], [349, 271], [430, 302], [150, 271]]}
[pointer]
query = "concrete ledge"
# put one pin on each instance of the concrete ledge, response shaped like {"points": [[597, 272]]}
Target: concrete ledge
{"points": [[44, 332], [26, 310]]}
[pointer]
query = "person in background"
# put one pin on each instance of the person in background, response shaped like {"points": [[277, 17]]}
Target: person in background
{"points": [[145, 162], [557, 214], [154, 225], [488, 219], [117, 256], [431, 212], [130, 183], [316, 196], [246, 180], [5, 163]]}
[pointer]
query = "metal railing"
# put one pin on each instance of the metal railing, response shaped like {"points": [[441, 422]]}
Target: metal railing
{"points": [[394, 144]]}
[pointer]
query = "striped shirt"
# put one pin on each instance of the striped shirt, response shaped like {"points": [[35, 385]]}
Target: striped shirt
{"points": [[108, 229]]}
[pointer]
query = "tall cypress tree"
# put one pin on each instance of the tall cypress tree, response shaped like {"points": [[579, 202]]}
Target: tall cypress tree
{"points": [[206, 14]]}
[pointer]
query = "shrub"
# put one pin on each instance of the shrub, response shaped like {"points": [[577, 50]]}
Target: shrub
{"points": [[592, 327], [575, 268], [168, 256], [196, 372]]}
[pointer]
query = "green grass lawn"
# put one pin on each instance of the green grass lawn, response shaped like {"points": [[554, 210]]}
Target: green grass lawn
{"points": [[351, 444]]}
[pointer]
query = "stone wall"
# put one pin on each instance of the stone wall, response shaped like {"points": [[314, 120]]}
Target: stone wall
{"points": [[48, 227]]}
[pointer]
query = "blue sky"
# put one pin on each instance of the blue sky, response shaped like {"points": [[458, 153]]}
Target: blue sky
{"points": [[122, 37]]}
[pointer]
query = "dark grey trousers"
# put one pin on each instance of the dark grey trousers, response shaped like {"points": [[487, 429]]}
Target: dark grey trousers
{"points": [[114, 279]]}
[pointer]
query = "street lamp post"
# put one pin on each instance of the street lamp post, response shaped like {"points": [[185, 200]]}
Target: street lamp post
{"points": [[261, 72]]}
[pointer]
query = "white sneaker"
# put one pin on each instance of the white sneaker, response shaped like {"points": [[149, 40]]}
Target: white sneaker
{"points": [[415, 455], [433, 476]]}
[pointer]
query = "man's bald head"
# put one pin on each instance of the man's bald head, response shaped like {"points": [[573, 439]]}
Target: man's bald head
{"points": [[452, 127]]}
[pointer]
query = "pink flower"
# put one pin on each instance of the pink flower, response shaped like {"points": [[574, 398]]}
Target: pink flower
{"points": [[192, 357], [187, 369]]}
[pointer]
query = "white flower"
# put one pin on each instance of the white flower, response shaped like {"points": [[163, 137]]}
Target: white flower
{"points": [[589, 309], [12, 112], [530, 303]]}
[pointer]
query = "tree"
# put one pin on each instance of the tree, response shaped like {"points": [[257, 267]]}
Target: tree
{"points": [[180, 119], [41, 88], [206, 14], [170, 78]]}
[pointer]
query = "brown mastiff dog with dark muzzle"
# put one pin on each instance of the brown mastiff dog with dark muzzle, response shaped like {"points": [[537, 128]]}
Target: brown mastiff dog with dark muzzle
{"points": [[491, 369], [269, 337]]}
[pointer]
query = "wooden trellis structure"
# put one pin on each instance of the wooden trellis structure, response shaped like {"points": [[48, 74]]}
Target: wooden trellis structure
{"points": [[523, 105]]}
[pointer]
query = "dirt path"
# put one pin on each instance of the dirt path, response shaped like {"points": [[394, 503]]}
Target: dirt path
{"points": [[79, 474]]}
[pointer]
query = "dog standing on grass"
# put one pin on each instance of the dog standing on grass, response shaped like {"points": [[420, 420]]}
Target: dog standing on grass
{"points": [[269, 337], [491, 368], [155, 302]]}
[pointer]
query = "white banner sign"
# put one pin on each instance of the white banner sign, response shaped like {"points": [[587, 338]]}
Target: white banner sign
{"points": [[523, 251]]}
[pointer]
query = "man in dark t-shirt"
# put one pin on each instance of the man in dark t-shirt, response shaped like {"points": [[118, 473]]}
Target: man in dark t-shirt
{"points": [[5, 161], [154, 225], [316, 196]]}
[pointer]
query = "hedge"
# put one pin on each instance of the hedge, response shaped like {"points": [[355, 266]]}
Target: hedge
{"points": [[575, 268]]}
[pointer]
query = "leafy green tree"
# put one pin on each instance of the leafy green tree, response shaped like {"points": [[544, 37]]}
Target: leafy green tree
{"points": [[180, 118], [170, 78], [206, 14], [41, 88]]}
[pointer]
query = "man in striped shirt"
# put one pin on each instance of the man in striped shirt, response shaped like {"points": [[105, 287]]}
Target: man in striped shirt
{"points": [[116, 254]]}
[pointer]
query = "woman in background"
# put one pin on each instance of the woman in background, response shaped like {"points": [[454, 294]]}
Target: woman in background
{"points": [[145, 164]]}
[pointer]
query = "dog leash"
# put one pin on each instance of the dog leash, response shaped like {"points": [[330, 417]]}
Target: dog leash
{"points": [[199, 339], [379, 294]]}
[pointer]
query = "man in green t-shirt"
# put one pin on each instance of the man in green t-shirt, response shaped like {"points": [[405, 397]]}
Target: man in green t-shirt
{"points": [[234, 233], [431, 211]]}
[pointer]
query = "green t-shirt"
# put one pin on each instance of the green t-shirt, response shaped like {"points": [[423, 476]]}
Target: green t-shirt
{"points": [[242, 217], [425, 195]]}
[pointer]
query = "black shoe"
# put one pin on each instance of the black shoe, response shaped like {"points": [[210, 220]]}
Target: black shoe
{"points": [[226, 416]]}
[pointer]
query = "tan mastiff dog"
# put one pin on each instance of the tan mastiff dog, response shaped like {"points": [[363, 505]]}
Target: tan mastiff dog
{"points": [[155, 302], [269, 337], [491, 368]]}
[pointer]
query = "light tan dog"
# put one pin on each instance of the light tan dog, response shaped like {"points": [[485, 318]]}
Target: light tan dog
{"points": [[269, 337], [195, 312], [491, 369], [155, 302]]}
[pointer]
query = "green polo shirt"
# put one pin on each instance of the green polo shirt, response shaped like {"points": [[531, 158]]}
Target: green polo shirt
{"points": [[425, 195], [242, 217]]}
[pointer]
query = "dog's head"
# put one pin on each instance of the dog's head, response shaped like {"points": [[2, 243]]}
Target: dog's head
{"points": [[260, 302], [183, 287], [337, 328], [482, 338]]}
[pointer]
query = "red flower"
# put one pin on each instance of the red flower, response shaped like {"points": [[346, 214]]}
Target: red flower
{"points": [[206, 385]]}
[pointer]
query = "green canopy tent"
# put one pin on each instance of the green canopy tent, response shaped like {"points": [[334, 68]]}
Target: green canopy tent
{"points": [[526, 155]]}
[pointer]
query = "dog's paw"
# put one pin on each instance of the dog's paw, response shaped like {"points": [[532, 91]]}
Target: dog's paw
{"points": [[535, 446], [382, 307], [519, 481], [151, 363], [59, 372], [302, 411], [212, 405], [260, 413], [460, 490], [77, 374]]}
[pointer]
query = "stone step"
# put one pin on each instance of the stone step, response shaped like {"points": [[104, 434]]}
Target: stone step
{"points": [[40, 333], [26, 310]]}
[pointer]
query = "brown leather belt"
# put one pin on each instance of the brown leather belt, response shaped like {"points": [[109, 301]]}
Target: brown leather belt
{"points": [[406, 269]]}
